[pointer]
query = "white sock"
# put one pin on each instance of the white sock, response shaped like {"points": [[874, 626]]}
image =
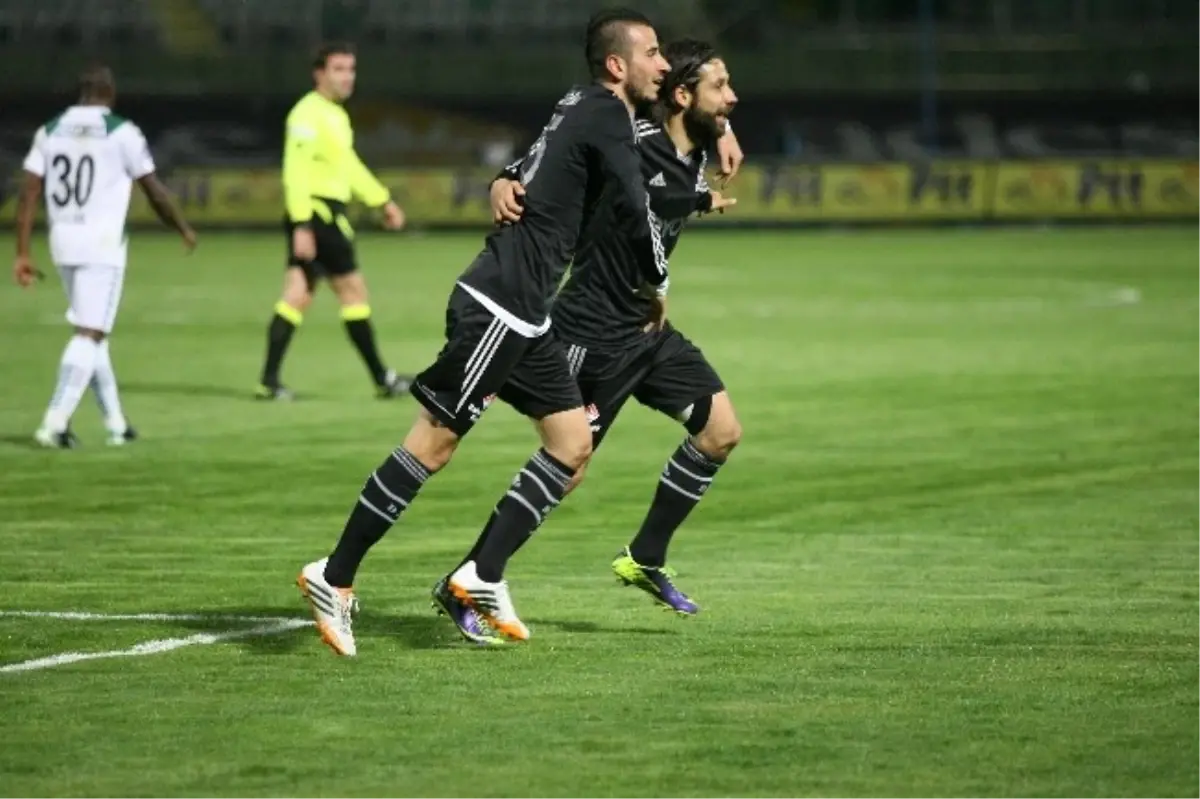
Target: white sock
{"points": [[74, 374], [104, 384]]}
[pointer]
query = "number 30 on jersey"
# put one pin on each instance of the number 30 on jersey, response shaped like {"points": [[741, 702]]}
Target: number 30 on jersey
{"points": [[73, 181]]}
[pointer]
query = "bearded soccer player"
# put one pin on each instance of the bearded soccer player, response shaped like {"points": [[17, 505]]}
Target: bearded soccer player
{"points": [[86, 160], [321, 173], [498, 343], [619, 342]]}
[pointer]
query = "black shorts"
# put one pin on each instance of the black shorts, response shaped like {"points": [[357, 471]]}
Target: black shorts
{"points": [[335, 244], [484, 359], [667, 373]]}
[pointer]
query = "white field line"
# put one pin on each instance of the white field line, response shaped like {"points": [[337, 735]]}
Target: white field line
{"points": [[75, 615], [266, 626]]}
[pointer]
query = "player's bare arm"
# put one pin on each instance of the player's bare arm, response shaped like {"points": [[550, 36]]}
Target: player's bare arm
{"points": [[24, 270], [160, 200], [730, 155]]}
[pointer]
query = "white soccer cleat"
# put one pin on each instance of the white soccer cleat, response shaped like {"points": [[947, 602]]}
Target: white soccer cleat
{"points": [[120, 439], [490, 600], [55, 440], [332, 608]]}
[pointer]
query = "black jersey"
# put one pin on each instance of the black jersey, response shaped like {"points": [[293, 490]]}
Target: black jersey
{"points": [[606, 300], [587, 150]]}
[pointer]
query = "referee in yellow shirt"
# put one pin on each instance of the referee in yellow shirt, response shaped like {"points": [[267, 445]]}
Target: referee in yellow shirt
{"points": [[321, 172]]}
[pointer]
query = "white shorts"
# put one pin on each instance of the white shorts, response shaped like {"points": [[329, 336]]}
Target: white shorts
{"points": [[93, 294]]}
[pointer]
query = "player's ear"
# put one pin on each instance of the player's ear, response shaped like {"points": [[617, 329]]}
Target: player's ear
{"points": [[683, 97], [616, 66]]}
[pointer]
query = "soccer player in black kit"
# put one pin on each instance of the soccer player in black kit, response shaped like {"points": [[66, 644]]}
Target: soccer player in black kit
{"points": [[619, 342], [497, 345]]}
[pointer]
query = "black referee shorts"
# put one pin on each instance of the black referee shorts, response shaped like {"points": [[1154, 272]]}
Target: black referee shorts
{"points": [[483, 359], [665, 372], [335, 243]]}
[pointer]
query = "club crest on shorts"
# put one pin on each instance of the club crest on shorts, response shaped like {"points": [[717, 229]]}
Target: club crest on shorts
{"points": [[477, 410], [593, 417]]}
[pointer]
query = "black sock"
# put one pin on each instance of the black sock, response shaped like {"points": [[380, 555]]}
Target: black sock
{"points": [[358, 326], [688, 474], [279, 335], [487, 528], [535, 492], [386, 494]]}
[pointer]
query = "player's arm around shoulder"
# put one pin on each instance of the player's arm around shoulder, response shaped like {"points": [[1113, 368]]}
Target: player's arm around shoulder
{"points": [[730, 157]]}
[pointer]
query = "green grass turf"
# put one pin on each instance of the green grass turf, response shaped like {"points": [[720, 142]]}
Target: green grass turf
{"points": [[956, 553]]}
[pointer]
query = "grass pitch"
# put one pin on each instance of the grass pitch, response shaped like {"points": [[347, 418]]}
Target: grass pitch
{"points": [[956, 553]]}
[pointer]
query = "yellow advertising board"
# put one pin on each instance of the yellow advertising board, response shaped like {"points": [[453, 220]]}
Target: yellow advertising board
{"points": [[942, 190], [254, 197], [878, 192], [1118, 189]]}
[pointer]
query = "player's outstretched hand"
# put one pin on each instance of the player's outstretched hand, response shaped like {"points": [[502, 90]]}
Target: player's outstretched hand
{"points": [[393, 216], [189, 239], [731, 157], [24, 272], [506, 200], [721, 202]]}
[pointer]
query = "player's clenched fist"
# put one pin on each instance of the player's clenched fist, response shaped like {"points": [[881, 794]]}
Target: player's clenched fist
{"points": [[24, 272]]}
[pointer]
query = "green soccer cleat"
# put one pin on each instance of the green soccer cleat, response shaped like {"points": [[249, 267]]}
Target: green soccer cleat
{"points": [[654, 581]]}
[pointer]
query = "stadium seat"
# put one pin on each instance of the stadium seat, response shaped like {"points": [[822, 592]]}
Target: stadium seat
{"points": [[72, 22]]}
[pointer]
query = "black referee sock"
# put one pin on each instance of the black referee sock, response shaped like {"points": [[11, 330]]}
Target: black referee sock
{"points": [[386, 494], [535, 492], [357, 319], [279, 335], [688, 474]]}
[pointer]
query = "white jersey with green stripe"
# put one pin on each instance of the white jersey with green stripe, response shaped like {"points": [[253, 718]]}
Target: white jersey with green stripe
{"points": [[88, 158]]}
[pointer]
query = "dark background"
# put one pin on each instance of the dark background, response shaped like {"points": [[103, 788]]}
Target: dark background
{"points": [[820, 80]]}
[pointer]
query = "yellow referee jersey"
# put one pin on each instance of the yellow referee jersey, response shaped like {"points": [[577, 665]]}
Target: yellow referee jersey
{"points": [[319, 161]]}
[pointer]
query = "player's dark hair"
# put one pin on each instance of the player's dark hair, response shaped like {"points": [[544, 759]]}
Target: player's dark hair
{"points": [[325, 51], [96, 82], [687, 58], [608, 34]]}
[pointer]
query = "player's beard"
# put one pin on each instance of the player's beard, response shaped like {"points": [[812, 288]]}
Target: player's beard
{"points": [[702, 127], [644, 100]]}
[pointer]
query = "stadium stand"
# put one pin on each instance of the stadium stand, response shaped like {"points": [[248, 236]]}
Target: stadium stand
{"points": [[265, 22], [387, 20], [75, 22]]}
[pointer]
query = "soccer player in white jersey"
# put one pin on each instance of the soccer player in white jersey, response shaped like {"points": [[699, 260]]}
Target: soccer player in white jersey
{"points": [[85, 161]]}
